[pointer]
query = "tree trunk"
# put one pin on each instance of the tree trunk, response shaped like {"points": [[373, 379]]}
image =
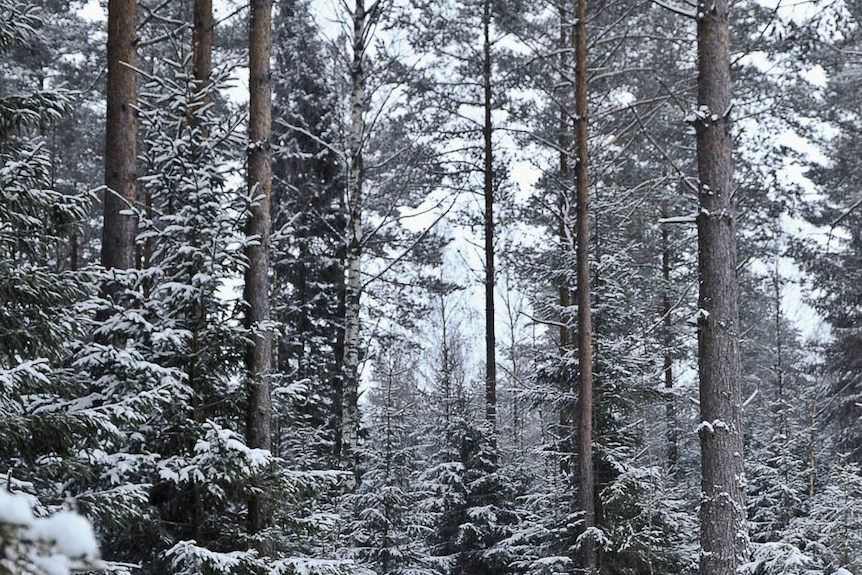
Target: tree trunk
{"points": [[202, 39], [353, 267], [585, 330], [121, 134], [567, 245], [670, 402], [202, 43], [256, 292], [488, 189], [723, 533]]}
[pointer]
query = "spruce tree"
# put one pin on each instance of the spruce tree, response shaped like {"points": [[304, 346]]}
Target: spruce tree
{"points": [[308, 251]]}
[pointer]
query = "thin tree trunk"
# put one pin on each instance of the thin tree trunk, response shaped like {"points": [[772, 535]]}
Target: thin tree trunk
{"points": [[488, 189], [723, 534], [585, 330], [566, 247], [256, 292], [121, 134], [202, 40], [73, 252], [670, 403], [353, 281], [783, 428]]}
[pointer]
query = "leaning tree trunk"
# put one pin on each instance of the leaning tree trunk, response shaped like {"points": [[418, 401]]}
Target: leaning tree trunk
{"points": [[488, 190], [585, 330], [121, 134], [353, 268], [723, 534], [256, 291]]}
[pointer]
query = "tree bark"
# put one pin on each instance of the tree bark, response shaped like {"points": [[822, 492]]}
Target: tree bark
{"points": [[353, 265], [121, 135], [670, 403], [723, 533], [256, 291], [202, 43], [488, 190], [585, 330]]}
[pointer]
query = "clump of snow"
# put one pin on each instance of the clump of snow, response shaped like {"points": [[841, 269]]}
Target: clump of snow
{"points": [[71, 534], [777, 557], [54, 565], [55, 545], [15, 509]]}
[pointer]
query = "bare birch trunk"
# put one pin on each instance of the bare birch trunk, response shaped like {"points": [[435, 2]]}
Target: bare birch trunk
{"points": [[121, 135], [585, 329], [353, 266], [723, 533], [256, 292]]}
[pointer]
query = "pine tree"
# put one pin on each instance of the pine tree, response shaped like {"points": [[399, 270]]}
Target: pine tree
{"points": [[723, 532], [257, 230], [120, 201]]}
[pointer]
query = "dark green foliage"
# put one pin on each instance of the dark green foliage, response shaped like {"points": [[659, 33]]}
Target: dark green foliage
{"points": [[308, 243]]}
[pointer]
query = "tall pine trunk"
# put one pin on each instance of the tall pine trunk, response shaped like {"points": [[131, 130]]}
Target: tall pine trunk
{"points": [[488, 191], [723, 535], [256, 291], [353, 265], [585, 329], [121, 134], [202, 43]]}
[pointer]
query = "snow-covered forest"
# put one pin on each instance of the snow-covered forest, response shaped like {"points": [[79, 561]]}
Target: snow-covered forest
{"points": [[467, 287]]}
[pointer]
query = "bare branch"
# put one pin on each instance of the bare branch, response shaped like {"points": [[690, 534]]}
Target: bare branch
{"points": [[676, 9]]}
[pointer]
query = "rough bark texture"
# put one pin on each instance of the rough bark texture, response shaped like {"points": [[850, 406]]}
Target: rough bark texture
{"points": [[585, 329], [202, 43], [722, 514], [488, 190], [256, 291], [353, 269], [121, 134]]}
